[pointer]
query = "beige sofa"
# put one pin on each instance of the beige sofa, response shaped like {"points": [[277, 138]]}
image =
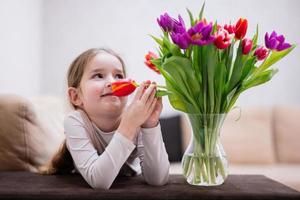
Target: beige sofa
{"points": [[263, 141], [31, 131]]}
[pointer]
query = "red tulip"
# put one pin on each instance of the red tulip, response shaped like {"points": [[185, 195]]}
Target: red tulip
{"points": [[246, 46], [123, 87], [148, 62], [229, 28], [261, 53], [222, 39], [241, 28]]}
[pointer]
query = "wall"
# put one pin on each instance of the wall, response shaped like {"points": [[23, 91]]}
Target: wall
{"points": [[20, 47]]}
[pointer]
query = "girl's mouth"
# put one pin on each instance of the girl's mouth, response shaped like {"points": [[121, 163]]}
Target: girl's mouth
{"points": [[107, 94]]}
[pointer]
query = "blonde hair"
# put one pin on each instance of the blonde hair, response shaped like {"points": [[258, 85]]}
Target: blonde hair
{"points": [[62, 162]]}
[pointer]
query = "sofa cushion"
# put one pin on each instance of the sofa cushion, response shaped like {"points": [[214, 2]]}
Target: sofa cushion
{"points": [[25, 140], [287, 133], [249, 139], [13, 142]]}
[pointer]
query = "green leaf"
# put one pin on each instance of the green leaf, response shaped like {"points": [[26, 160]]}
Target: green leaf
{"points": [[229, 100], [176, 98], [160, 93], [212, 59], [254, 39], [248, 68], [236, 70], [196, 64], [230, 51], [191, 17], [156, 62], [220, 78], [201, 11], [215, 27], [260, 79], [178, 103], [180, 69], [166, 75], [159, 41], [203, 69], [172, 48]]}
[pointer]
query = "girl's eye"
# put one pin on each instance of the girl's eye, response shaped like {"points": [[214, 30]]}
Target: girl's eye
{"points": [[120, 76], [98, 75]]}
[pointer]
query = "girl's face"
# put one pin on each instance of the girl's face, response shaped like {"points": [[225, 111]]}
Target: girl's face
{"points": [[95, 86]]}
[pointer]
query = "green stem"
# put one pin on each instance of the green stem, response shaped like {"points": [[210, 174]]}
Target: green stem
{"points": [[197, 176], [208, 169], [161, 86], [212, 169], [221, 167], [186, 165], [158, 86], [203, 169]]}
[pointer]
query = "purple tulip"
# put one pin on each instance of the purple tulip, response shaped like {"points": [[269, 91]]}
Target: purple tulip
{"points": [[166, 22], [276, 42], [170, 24], [179, 34], [179, 26], [181, 39], [200, 34]]}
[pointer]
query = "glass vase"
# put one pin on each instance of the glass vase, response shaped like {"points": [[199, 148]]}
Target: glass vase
{"points": [[204, 162]]}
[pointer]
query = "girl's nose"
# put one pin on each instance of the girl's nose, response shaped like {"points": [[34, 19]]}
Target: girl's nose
{"points": [[108, 84], [109, 81]]}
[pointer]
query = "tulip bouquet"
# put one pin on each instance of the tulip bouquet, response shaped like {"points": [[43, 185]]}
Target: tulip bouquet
{"points": [[206, 67]]}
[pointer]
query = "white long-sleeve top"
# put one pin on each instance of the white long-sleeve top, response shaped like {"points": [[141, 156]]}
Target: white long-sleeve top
{"points": [[101, 170]]}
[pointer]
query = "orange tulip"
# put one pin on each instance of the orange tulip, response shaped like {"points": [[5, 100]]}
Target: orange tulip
{"points": [[148, 62], [123, 87]]}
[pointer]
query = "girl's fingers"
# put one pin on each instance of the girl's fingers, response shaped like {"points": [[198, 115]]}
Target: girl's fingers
{"points": [[152, 106], [140, 91], [151, 97], [147, 93], [159, 101]]}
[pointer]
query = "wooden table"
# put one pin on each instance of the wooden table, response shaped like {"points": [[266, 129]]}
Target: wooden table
{"points": [[25, 185]]}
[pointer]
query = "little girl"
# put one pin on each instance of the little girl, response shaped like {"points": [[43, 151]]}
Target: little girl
{"points": [[104, 138]]}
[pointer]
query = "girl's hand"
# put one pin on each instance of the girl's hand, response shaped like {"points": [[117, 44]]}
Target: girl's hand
{"points": [[153, 119], [138, 111]]}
